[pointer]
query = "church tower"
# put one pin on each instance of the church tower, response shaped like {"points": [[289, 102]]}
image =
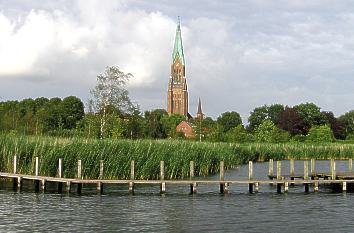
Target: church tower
{"points": [[200, 114], [177, 99]]}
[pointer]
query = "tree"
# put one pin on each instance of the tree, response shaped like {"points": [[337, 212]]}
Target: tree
{"points": [[311, 114], [268, 132], [229, 120], [170, 122], [73, 111], [319, 134], [110, 91], [292, 122], [337, 126], [348, 120], [264, 132], [154, 128], [260, 114], [238, 134]]}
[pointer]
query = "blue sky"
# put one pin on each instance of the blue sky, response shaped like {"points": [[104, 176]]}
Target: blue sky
{"points": [[239, 54]]}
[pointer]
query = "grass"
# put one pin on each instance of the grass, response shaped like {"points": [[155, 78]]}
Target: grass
{"points": [[147, 154]]}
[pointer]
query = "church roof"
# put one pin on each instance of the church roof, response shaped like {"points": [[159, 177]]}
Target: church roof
{"points": [[178, 47], [199, 107]]}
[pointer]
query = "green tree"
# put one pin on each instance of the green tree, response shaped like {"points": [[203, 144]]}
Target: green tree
{"points": [[322, 133], [73, 111], [348, 120], [154, 128], [311, 114], [110, 91], [238, 134], [228, 120], [170, 122], [260, 114], [264, 132]]}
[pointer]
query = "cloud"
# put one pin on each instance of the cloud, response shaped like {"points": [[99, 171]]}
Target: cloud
{"points": [[239, 54]]}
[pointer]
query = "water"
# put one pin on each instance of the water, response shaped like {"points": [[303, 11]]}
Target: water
{"points": [[176, 211]]}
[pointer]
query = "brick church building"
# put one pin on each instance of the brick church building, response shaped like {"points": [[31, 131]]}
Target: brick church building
{"points": [[177, 97]]}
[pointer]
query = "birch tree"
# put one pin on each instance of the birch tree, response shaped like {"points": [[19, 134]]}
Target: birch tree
{"points": [[110, 92]]}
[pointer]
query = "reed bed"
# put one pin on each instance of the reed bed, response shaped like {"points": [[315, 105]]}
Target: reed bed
{"points": [[147, 154]]}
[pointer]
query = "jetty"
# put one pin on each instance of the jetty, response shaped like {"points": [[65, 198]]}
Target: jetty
{"points": [[309, 178]]}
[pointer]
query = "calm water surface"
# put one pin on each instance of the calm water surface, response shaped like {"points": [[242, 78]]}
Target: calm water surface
{"points": [[177, 211]]}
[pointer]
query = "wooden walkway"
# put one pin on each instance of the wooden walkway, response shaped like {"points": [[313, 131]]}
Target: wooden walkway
{"points": [[281, 181]]}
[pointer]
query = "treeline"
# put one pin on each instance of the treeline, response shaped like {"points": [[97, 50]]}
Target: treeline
{"points": [[274, 123]]}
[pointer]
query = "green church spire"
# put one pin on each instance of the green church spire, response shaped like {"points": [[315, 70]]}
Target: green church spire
{"points": [[178, 47]]}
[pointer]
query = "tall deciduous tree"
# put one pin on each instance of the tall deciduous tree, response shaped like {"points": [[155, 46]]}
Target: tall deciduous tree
{"points": [[110, 91], [292, 122], [260, 114], [229, 120], [348, 120], [311, 114]]}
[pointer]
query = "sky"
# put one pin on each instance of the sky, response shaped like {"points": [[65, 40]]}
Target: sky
{"points": [[239, 54]]}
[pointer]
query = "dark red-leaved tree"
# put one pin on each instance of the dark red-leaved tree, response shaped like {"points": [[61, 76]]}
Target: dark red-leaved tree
{"points": [[291, 121]]}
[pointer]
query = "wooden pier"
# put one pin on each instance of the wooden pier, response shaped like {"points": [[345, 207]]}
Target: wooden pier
{"points": [[282, 182]]}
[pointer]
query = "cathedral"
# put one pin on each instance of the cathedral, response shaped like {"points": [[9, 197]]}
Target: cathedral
{"points": [[177, 97]]}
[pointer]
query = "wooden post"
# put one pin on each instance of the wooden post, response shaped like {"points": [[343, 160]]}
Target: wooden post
{"points": [[101, 170], [350, 165], [286, 187], [307, 189], [36, 170], [132, 177], [315, 189], [79, 169], [344, 185], [19, 183], [278, 170], [256, 187], [100, 187], [43, 185], [270, 171], [292, 171], [292, 168], [79, 176], [15, 164], [193, 186], [313, 168], [162, 177], [222, 177], [60, 168], [333, 173], [306, 170], [250, 176], [278, 187], [68, 186]]}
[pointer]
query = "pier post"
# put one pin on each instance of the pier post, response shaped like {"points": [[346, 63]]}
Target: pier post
{"points": [[306, 170], [278, 187], [278, 170], [350, 165], [15, 164], [307, 187], [315, 188], [60, 174], [100, 176], [292, 171], [313, 168], [162, 177], [79, 176], [193, 186], [286, 187], [344, 186], [223, 188], [68, 186], [132, 177], [43, 185], [270, 170], [256, 187], [36, 173], [250, 176], [36, 169], [19, 183], [333, 171]]}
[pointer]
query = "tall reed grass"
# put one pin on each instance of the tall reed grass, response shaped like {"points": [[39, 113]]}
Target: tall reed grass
{"points": [[117, 155]]}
